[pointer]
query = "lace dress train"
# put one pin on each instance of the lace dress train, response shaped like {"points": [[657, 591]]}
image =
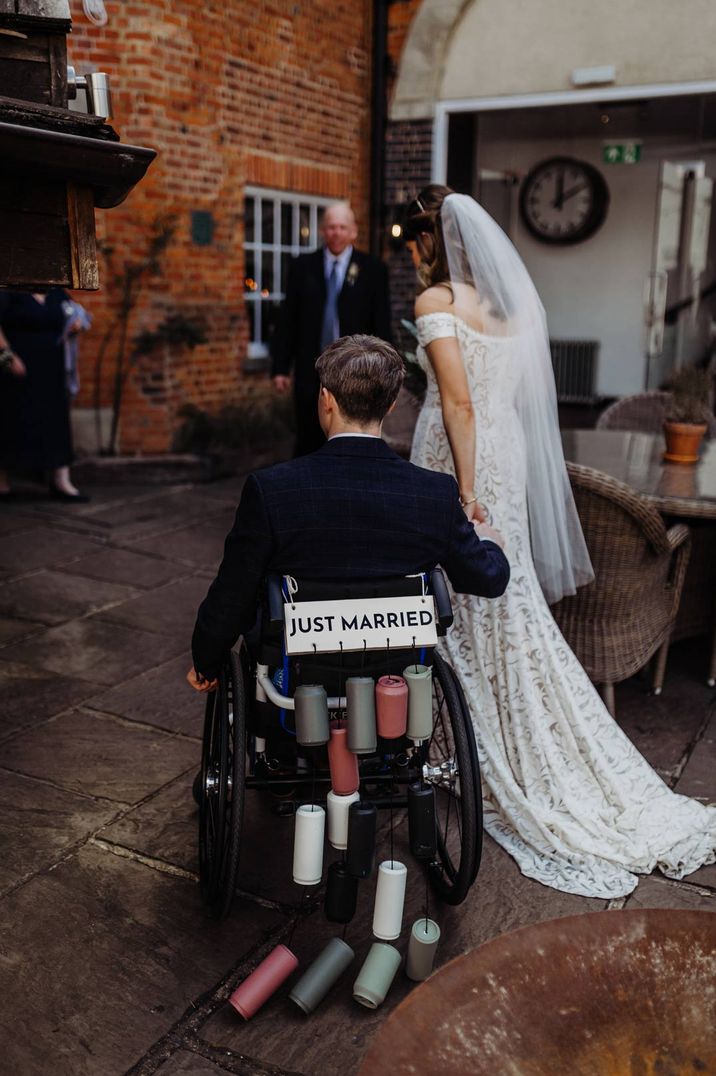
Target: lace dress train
{"points": [[566, 792]]}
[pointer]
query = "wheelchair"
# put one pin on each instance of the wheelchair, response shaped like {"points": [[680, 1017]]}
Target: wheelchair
{"points": [[249, 738]]}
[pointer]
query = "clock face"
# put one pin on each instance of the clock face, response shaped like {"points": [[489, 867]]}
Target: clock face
{"points": [[563, 200]]}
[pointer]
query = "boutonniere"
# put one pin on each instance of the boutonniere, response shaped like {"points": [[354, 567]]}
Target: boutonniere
{"points": [[352, 275]]}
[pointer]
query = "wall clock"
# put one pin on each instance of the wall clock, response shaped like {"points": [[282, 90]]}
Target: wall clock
{"points": [[563, 200]]}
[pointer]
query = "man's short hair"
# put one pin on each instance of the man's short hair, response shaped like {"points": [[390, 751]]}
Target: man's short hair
{"points": [[364, 374]]}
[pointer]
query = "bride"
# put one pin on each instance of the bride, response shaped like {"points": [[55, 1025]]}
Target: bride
{"points": [[566, 793]]}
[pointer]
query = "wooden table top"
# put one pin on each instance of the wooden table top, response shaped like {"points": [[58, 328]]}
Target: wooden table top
{"points": [[676, 489]]}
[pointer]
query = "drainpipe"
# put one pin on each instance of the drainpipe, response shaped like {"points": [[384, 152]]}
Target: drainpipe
{"points": [[379, 109]]}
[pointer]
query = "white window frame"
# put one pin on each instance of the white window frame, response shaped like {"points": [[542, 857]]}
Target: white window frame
{"points": [[269, 291]]}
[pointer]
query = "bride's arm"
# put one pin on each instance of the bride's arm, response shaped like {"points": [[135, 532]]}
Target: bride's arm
{"points": [[458, 416]]}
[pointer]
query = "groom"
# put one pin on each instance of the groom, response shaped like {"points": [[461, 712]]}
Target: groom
{"points": [[351, 510]]}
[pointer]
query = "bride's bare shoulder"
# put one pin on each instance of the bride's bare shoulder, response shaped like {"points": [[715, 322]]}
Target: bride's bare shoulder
{"points": [[435, 300]]}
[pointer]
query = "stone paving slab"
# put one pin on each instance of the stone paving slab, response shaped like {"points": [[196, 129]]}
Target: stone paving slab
{"points": [[201, 546], [333, 1040], [42, 547], [662, 727], [184, 1063], [164, 827], [12, 629], [123, 566], [160, 696], [11, 521], [157, 513], [705, 876], [656, 892], [169, 610], [40, 823], [94, 650], [102, 956], [100, 756], [699, 776], [226, 489], [52, 597], [30, 694]]}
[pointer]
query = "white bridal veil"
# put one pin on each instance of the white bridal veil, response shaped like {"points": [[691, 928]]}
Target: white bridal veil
{"points": [[481, 256]]}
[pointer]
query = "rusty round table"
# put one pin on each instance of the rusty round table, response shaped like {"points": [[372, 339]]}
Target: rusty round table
{"points": [[620, 993]]}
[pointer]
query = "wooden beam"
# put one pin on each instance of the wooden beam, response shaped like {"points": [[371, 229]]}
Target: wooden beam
{"points": [[83, 244]]}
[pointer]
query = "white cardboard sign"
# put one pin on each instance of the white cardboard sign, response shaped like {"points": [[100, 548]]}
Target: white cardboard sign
{"points": [[363, 624]]}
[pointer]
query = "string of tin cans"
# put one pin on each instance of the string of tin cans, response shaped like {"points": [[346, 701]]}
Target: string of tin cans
{"points": [[392, 708]]}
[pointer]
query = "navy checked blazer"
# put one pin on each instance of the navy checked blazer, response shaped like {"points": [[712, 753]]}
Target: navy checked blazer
{"points": [[352, 510]]}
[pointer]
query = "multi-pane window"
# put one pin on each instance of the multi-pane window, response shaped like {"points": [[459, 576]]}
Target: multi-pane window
{"points": [[278, 225]]}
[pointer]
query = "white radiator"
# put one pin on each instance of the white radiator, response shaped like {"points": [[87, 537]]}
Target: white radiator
{"points": [[575, 369]]}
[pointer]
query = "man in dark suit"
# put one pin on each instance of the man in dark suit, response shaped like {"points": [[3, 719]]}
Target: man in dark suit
{"points": [[335, 291], [351, 510]]}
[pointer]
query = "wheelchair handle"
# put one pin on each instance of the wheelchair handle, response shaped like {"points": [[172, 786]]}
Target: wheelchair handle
{"points": [[441, 596], [266, 687]]}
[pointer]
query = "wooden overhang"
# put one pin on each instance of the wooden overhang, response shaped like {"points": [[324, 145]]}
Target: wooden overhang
{"points": [[56, 165]]}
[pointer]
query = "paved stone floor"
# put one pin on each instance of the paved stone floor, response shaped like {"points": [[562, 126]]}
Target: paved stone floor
{"points": [[108, 964]]}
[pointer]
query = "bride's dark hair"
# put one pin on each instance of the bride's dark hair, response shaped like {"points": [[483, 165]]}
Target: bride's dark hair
{"points": [[423, 227]]}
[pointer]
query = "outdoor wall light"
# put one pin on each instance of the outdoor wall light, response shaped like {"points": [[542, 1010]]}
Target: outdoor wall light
{"points": [[96, 88]]}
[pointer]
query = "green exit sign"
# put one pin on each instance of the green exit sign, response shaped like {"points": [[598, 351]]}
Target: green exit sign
{"points": [[621, 152]]}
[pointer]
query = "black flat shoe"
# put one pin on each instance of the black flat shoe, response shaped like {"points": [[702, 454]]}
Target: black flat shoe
{"points": [[71, 498]]}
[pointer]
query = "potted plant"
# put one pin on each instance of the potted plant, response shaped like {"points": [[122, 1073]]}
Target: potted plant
{"points": [[687, 414]]}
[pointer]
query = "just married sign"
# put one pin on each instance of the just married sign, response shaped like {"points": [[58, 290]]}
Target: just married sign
{"points": [[363, 624]]}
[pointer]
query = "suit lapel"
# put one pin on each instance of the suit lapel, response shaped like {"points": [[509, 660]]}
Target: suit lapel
{"points": [[352, 273]]}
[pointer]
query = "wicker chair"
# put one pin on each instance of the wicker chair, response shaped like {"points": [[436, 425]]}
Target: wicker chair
{"points": [[644, 413], [618, 622]]}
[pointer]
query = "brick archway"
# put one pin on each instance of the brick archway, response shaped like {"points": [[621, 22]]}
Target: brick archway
{"points": [[421, 63]]}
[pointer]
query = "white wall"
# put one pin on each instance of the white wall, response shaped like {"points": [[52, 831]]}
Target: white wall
{"points": [[595, 289], [529, 46], [482, 48]]}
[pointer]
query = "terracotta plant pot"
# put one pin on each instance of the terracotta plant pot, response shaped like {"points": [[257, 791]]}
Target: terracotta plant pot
{"points": [[682, 441]]}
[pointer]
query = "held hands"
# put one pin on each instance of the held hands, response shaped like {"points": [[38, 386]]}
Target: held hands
{"points": [[199, 683], [472, 508], [483, 530]]}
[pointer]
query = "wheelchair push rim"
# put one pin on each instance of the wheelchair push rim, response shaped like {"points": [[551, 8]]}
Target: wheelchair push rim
{"points": [[222, 790], [451, 766]]}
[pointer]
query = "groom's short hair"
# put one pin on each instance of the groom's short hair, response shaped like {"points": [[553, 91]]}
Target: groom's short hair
{"points": [[364, 374]]}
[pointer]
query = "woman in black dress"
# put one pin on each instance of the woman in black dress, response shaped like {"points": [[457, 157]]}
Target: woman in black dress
{"points": [[34, 401]]}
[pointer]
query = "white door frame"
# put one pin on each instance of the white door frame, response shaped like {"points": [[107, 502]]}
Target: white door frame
{"points": [[595, 94]]}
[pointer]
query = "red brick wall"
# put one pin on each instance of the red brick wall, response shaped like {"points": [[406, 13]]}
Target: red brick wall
{"points": [[269, 93]]}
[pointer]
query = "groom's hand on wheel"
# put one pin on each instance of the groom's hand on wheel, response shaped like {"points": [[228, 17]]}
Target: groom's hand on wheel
{"points": [[483, 530], [199, 682]]}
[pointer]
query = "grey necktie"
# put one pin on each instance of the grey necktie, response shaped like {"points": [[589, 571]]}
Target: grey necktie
{"points": [[329, 326]]}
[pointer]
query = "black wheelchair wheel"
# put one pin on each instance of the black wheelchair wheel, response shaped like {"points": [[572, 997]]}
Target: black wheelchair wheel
{"points": [[223, 770], [453, 770]]}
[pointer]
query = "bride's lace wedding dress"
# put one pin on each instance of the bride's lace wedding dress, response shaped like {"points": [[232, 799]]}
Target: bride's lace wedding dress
{"points": [[566, 793]]}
